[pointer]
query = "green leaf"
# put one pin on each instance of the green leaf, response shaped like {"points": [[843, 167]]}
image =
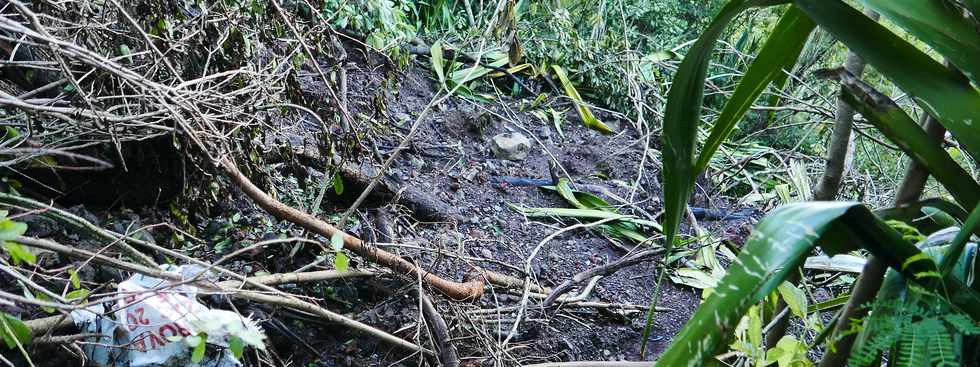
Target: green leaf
{"points": [[438, 64], [76, 282], [892, 121], [197, 355], [13, 331], [794, 297], [19, 254], [938, 24], [943, 93], [237, 346], [10, 230], [341, 261], [78, 294], [680, 126], [338, 184], [778, 246], [780, 53], [337, 241], [970, 227], [583, 110], [44, 297]]}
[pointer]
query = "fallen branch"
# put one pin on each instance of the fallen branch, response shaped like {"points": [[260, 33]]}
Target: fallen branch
{"points": [[471, 290], [257, 297], [440, 332], [601, 270]]}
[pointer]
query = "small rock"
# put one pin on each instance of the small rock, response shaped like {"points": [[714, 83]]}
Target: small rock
{"points": [[510, 146], [486, 254], [606, 353]]}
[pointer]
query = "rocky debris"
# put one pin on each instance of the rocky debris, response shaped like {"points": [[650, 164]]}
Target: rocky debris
{"points": [[510, 146]]}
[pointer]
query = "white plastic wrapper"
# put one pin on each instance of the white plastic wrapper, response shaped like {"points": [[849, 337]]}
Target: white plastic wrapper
{"points": [[153, 311]]}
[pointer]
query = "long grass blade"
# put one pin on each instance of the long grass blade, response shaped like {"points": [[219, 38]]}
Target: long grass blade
{"points": [[780, 53], [680, 126]]}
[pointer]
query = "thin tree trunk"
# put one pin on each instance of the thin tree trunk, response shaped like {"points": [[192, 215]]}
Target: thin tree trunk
{"points": [[839, 157], [867, 285], [840, 142]]}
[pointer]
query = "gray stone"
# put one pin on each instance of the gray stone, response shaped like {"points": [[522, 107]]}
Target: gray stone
{"points": [[510, 146]]}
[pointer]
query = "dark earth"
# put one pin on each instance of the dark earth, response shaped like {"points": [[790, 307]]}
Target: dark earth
{"points": [[450, 161]]}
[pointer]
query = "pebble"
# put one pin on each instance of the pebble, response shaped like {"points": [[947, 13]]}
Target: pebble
{"points": [[486, 254], [510, 146]]}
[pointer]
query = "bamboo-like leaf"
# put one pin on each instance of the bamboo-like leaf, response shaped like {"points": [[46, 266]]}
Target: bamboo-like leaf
{"points": [[938, 24], [891, 120], [943, 93], [779, 53], [437, 62], [778, 246], [583, 111], [680, 127]]}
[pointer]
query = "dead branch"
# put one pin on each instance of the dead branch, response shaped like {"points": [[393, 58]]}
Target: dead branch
{"points": [[238, 293], [471, 290], [440, 332], [601, 270]]}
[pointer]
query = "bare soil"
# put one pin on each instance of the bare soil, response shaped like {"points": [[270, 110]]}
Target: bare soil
{"points": [[451, 160]]}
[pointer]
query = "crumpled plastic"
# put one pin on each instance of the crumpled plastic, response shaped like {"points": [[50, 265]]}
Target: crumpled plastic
{"points": [[150, 313]]}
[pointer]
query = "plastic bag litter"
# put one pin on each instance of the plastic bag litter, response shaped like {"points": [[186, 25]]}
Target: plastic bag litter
{"points": [[142, 329]]}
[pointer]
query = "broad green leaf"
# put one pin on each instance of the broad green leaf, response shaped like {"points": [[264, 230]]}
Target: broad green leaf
{"points": [[437, 62], [197, 355], [778, 246], [13, 331], [788, 352], [941, 92], [891, 120], [680, 126], [338, 184], [76, 282], [794, 297], [10, 230], [44, 297], [237, 346], [780, 53], [938, 24], [341, 262], [78, 294], [583, 111], [18, 253]]}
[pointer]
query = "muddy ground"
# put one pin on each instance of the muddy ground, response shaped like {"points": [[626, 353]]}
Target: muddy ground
{"points": [[450, 159]]}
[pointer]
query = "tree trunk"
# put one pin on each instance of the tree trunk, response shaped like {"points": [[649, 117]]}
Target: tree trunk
{"points": [[839, 157], [867, 285]]}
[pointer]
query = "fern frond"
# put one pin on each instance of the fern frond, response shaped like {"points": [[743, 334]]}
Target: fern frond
{"points": [[912, 348], [963, 323], [940, 343]]}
